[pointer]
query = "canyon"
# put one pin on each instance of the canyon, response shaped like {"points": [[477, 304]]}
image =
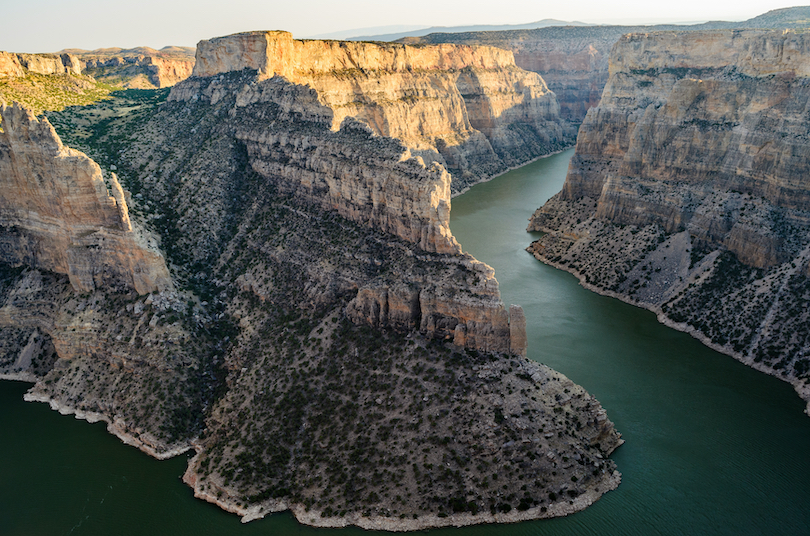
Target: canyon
{"points": [[138, 68], [469, 109], [321, 342], [574, 60], [687, 193]]}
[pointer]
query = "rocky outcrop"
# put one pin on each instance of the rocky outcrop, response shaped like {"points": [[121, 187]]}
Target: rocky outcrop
{"points": [[327, 327], [139, 68], [687, 193], [50, 63], [574, 60], [12, 64], [57, 213], [468, 108]]}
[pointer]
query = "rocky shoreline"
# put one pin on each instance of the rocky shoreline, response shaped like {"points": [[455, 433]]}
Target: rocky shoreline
{"points": [[802, 389], [146, 443], [315, 518]]}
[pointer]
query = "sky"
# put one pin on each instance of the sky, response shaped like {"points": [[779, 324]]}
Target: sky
{"points": [[52, 25]]}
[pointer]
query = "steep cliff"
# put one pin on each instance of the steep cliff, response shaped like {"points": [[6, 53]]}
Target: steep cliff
{"points": [[73, 271], [468, 108], [330, 349], [688, 191], [574, 60], [12, 64], [56, 213], [138, 68]]}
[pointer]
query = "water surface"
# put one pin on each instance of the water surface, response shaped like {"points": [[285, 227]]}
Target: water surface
{"points": [[713, 447]]}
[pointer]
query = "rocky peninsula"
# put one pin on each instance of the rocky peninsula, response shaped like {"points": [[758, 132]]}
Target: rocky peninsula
{"points": [[323, 342]]}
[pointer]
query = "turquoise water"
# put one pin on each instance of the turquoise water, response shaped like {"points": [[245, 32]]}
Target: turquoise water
{"points": [[713, 447]]}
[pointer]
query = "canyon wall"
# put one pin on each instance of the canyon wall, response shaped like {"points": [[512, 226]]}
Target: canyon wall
{"points": [[139, 68], [468, 108], [573, 60], [57, 213], [324, 324], [688, 191], [329, 246], [288, 136], [12, 64]]}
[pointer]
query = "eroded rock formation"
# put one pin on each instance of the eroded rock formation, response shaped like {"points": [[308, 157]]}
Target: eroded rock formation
{"points": [[56, 213], [574, 60], [139, 68], [327, 326], [469, 108], [688, 191], [12, 64]]}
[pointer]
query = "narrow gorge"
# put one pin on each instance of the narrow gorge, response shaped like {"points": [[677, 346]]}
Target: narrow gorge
{"points": [[688, 192], [315, 331]]}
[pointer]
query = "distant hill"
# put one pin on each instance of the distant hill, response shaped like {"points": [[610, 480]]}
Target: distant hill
{"points": [[459, 29], [393, 29], [167, 51], [788, 17]]}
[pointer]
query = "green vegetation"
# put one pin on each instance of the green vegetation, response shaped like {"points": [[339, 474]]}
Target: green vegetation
{"points": [[41, 92]]}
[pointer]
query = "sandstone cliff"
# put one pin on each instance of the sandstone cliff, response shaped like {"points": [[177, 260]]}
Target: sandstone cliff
{"points": [[469, 108], [574, 60], [138, 68], [72, 266], [57, 213], [12, 64], [687, 193], [288, 138], [329, 347]]}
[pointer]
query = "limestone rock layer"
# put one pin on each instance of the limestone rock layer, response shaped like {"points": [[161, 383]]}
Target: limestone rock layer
{"points": [[574, 60], [57, 213], [326, 324], [287, 138], [700, 145], [469, 108]]}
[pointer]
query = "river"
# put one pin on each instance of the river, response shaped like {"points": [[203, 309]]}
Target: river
{"points": [[712, 447]]}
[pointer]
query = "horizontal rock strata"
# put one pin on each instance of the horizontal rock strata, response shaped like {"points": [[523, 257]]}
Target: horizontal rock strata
{"points": [[469, 108], [56, 212], [141, 68], [573, 60], [12, 64], [688, 194], [372, 180], [329, 348]]}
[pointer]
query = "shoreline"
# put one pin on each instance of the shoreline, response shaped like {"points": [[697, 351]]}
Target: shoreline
{"points": [[511, 168], [224, 500], [802, 389], [313, 518], [114, 426]]}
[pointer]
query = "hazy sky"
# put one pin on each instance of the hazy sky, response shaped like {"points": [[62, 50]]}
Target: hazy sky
{"points": [[50, 25]]}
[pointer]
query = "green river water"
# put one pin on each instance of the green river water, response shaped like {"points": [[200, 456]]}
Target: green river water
{"points": [[712, 447]]}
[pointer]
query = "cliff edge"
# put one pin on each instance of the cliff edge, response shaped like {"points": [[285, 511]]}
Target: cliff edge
{"points": [[58, 213], [688, 192], [468, 108]]}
